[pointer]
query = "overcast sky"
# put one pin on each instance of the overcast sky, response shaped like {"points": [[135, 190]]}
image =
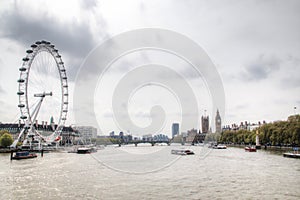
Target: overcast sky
{"points": [[255, 46]]}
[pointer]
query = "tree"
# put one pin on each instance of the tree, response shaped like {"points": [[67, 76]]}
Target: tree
{"points": [[2, 132], [6, 140], [296, 136], [276, 133]]}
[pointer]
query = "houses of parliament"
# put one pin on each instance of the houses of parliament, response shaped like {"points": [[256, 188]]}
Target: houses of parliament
{"points": [[205, 124], [193, 136]]}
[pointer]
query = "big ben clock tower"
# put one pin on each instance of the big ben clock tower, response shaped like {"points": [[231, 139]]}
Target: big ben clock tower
{"points": [[218, 122]]}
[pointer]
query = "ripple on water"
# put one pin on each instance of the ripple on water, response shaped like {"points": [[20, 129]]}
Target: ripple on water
{"points": [[222, 174]]}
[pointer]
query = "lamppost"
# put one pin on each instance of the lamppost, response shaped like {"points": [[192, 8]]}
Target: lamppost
{"points": [[295, 108]]}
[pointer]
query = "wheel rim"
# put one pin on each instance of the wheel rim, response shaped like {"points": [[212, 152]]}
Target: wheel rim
{"points": [[30, 72]]}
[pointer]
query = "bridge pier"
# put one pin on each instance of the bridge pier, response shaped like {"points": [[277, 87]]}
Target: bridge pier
{"points": [[135, 144]]}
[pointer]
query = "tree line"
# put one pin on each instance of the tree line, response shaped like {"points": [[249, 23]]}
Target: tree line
{"points": [[279, 133]]}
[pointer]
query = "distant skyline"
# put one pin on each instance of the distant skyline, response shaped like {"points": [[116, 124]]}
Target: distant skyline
{"points": [[253, 44]]}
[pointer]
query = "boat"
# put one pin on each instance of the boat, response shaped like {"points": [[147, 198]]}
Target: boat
{"points": [[294, 154], [73, 150], [83, 150], [182, 152], [220, 146], [217, 146], [250, 149], [291, 155], [23, 155]]}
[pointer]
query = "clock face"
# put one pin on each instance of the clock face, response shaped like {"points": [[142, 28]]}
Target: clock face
{"points": [[218, 120]]}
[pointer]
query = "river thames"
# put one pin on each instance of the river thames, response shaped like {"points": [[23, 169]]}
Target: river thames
{"points": [[146, 172]]}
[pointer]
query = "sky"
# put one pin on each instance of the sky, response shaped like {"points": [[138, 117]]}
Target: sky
{"points": [[254, 46]]}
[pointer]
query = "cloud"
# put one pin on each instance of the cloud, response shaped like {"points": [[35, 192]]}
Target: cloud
{"points": [[88, 4], [261, 68], [142, 114], [290, 82], [241, 106], [72, 65], [8, 112], [73, 38], [108, 114], [267, 28], [291, 73], [2, 90]]}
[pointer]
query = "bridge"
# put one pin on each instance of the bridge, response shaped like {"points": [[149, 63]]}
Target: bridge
{"points": [[193, 139], [136, 142]]}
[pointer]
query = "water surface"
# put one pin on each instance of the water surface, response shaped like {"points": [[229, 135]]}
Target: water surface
{"points": [[147, 172]]}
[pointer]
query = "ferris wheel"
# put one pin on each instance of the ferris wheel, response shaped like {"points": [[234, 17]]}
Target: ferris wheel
{"points": [[43, 79]]}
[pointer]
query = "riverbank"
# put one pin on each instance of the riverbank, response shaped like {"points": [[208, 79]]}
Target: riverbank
{"points": [[274, 148], [6, 150]]}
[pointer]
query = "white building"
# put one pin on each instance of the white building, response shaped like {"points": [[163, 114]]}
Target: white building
{"points": [[86, 132]]}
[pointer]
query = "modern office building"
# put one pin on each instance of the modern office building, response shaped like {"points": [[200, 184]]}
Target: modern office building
{"points": [[175, 129]]}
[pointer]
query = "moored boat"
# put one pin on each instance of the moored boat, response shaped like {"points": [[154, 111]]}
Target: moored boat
{"points": [[220, 146], [86, 149], [74, 150], [250, 149], [23, 155], [294, 154], [83, 150], [291, 155], [182, 152]]}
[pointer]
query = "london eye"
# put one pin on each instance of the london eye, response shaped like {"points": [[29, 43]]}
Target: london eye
{"points": [[42, 92]]}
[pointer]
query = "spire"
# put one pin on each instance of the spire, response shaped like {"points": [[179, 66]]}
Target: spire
{"points": [[218, 115], [51, 120], [218, 122]]}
